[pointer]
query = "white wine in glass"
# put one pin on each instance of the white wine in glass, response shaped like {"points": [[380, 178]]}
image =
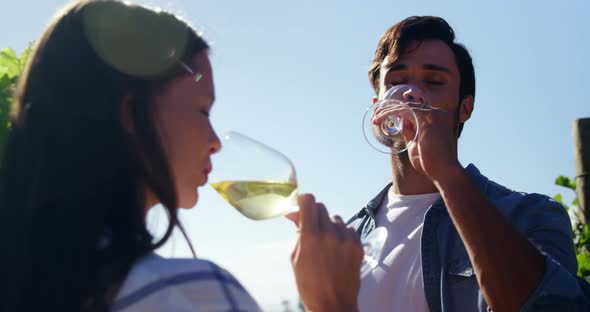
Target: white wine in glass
{"points": [[259, 200], [255, 179]]}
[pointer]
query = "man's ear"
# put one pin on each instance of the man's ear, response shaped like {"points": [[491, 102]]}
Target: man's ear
{"points": [[466, 108], [125, 114]]}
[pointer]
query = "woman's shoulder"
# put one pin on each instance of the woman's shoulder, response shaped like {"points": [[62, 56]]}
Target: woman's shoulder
{"points": [[154, 266], [161, 284]]}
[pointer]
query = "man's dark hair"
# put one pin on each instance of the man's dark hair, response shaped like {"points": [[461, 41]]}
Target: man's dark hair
{"points": [[395, 40]]}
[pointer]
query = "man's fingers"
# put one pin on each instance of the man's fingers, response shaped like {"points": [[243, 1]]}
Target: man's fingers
{"points": [[381, 114], [408, 129]]}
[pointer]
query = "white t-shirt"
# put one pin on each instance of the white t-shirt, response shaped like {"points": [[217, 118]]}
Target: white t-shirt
{"points": [[396, 284], [157, 284]]}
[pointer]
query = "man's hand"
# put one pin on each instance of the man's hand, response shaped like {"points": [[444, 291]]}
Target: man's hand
{"points": [[433, 151], [326, 259]]}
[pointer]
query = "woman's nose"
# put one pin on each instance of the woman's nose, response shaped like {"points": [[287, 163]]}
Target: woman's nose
{"points": [[215, 143]]}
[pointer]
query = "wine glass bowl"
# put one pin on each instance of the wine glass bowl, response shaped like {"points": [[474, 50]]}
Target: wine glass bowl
{"points": [[257, 180], [390, 125]]}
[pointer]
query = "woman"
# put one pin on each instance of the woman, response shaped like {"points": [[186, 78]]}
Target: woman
{"points": [[111, 118]]}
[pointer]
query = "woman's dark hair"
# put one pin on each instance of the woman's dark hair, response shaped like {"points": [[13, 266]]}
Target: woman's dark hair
{"points": [[74, 179], [395, 40]]}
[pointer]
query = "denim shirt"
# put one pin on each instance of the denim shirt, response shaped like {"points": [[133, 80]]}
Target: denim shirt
{"points": [[448, 275]]}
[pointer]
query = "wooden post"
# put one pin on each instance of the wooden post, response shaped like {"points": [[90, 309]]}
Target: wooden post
{"points": [[581, 129]]}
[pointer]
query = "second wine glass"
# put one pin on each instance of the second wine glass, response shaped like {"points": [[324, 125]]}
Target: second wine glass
{"points": [[390, 125]]}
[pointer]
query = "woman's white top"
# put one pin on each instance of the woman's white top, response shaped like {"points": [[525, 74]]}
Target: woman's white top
{"points": [[160, 284]]}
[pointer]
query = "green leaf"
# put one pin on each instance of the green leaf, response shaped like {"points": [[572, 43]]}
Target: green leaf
{"points": [[9, 63], [5, 82], [583, 264], [560, 180], [565, 182], [575, 202], [585, 234], [11, 67]]}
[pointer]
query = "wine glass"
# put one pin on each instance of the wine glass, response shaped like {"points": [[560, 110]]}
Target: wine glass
{"points": [[398, 126], [260, 183], [257, 180]]}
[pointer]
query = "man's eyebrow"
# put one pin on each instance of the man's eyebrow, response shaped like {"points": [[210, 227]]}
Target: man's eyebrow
{"points": [[395, 67], [436, 68]]}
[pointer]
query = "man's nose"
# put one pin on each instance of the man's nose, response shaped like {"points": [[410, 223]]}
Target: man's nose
{"points": [[414, 95]]}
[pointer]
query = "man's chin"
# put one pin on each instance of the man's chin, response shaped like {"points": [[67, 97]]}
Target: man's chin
{"points": [[401, 160]]}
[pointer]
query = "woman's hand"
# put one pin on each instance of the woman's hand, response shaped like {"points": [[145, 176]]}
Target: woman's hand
{"points": [[326, 260]]}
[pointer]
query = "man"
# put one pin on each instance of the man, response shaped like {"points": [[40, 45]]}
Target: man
{"points": [[456, 240]]}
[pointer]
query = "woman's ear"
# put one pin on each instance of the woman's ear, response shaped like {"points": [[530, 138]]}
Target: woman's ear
{"points": [[126, 115], [466, 108]]}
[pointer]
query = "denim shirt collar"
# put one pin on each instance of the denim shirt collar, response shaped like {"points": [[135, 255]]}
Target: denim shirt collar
{"points": [[471, 170]]}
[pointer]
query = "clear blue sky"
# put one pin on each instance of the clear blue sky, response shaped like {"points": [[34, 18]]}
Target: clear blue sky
{"points": [[293, 74]]}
